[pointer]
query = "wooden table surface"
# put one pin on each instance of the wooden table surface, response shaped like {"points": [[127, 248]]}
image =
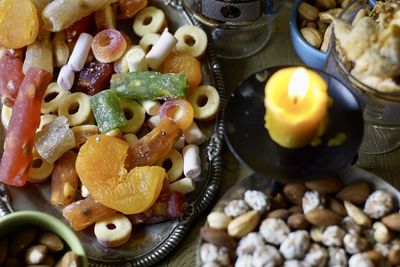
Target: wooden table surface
{"points": [[278, 51]]}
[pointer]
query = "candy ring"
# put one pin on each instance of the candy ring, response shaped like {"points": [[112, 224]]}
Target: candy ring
{"points": [[40, 170], [149, 20], [53, 97], [76, 108], [134, 114], [192, 40], [205, 101], [108, 45], [148, 41], [179, 110], [173, 164], [113, 232]]}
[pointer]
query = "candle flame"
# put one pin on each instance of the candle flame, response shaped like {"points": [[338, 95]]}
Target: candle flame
{"points": [[298, 85]]}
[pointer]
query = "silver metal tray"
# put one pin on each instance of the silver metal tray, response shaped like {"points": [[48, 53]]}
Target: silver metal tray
{"points": [[257, 182], [150, 243]]}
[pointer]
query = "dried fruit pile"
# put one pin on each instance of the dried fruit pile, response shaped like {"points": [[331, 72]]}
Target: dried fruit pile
{"points": [[118, 131], [319, 223]]}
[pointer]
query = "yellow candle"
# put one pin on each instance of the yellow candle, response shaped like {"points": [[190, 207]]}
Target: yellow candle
{"points": [[296, 100]]}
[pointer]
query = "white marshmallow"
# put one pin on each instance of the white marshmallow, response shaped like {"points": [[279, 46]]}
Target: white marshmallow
{"points": [[153, 121], [191, 161], [184, 186], [136, 59], [80, 52], [180, 143], [193, 135], [161, 50], [66, 77], [151, 107]]}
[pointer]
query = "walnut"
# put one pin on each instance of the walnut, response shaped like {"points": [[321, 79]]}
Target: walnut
{"points": [[333, 236], [317, 256], [360, 260], [249, 243], [236, 208], [295, 245], [379, 204], [274, 230], [257, 200], [312, 200]]}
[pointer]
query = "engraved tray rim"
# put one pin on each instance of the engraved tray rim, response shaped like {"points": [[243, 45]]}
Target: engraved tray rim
{"points": [[214, 171]]}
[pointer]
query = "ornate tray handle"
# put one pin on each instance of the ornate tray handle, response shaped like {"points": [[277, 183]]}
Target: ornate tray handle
{"points": [[5, 207]]}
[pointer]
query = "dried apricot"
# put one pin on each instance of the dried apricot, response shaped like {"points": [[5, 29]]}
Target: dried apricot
{"points": [[183, 63], [19, 23], [100, 166]]}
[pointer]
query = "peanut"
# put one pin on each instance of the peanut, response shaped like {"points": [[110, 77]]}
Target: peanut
{"points": [[218, 220], [308, 11], [312, 36]]}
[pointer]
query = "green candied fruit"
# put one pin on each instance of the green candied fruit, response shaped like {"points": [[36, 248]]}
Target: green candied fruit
{"points": [[149, 85], [107, 111]]}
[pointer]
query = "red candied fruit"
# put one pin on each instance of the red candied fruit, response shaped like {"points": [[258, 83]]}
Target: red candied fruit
{"points": [[108, 45]]}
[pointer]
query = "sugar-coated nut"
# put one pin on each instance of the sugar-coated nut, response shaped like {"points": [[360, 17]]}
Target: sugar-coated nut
{"points": [[257, 200], [312, 200], [267, 256], [379, 204], [192, 40], [337, 257], [236, 208], [382, 248], [157, 21], [249, 243], [244, 260], [210, 253], [357, 214], [381, 233], [312, 36], [333, 236], [274, 231], [360, 259], [317, 256], [116, 235], [351, 226], [308, 11], [218, 220], [35, 254], [243, 224], [205, 101], [294, 263], [69, 259], [51, 241], [354, 243], [295, 245]]}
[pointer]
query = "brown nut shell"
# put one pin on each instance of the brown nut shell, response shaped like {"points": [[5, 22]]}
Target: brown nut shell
{"points": [[312, 36], [308, 11], [325, 185], [355, 193], [323, 217]]}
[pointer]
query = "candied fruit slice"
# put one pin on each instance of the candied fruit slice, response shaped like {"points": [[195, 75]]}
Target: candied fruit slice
{"points": [[11, 75], [183, 63], [94, 77], [180, 110], [19, 23], [100, 166], [129, 8], [83, 213]]}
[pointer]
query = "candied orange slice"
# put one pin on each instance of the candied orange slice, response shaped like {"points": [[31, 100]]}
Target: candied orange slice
{"points": [[19, 23], [100, 166]]}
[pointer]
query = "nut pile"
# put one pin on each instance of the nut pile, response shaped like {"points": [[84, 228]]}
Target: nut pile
{"points": [[315, 21], [319, 223], [32, 247]]}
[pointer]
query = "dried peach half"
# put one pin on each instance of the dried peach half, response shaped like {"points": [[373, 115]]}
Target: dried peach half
{"points": [[100, 166]]}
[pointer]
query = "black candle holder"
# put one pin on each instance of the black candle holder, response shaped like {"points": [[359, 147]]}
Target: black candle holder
{"points": [[251, 143]]}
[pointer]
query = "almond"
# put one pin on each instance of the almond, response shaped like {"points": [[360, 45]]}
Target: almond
{"points": [[327, 4], [279, 201], [325, 185], [312, 36], [243, 224], [308, 11], [294, 193], [298, 221], [357, 214], [356, 192], [218, 220], [323, 217], [337, 206], [217, 237], [295, 209], [381, 233], [394, 255], [375, 256], [392, 221], [279, 214]]}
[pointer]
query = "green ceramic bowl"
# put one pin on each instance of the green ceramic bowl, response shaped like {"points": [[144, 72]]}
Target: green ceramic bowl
{"points": [[14, 221]]}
